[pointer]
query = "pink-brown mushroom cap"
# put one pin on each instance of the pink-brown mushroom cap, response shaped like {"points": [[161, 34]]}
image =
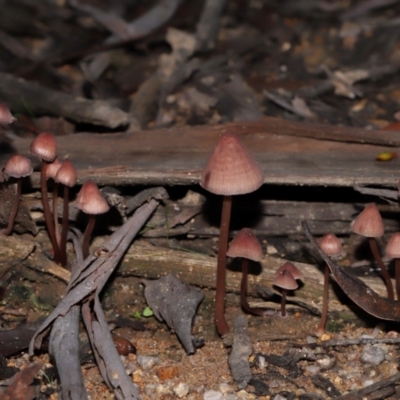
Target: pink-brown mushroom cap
{"points": [[245, 244], [90, 200], [66, 174], [18, 166], [330, 244], [369, 222], [44, 146], [393, 246]]}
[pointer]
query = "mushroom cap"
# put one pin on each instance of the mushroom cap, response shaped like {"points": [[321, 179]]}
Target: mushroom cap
{"points": [[288, 266], [245, 244], [231, 169], [44, 146], [330, 244], [52, 168], [369, 222], [66, 174], [18, 166], [6, 117], [285, 280], [90, 200], [393, 246]]}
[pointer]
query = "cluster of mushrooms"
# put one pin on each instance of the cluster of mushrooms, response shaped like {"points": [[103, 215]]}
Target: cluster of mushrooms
{"points": [[63, 175], [230, 170]]}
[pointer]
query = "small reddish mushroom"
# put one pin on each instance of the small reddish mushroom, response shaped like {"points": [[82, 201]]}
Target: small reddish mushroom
{"points": [[44, 147], [285, 281], [230, 170], [67, 176], [16, 167], [332, 246], [91, 202], [246, 246], [393, 251], [369, 224], [6, 118]]}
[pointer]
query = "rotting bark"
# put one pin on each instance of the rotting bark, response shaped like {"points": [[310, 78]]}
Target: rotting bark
{"points": [[86, 283]]}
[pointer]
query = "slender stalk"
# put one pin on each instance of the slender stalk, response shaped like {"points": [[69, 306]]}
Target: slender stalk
{"points": [[243, 293], [87, 234], [324, 315], [64, 228], [385, 273], [55, 214], [219, 314], [283, 303], [397, 274], [47, 213], [14, 211]]}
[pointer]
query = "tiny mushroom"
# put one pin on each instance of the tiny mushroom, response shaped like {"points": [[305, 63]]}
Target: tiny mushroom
{"points": [[16, 167], [393, 251], [369, 224], [6, 118], [230, 170], [246, 246], [67, 176], [286, 281], [91, 202], [44, 147], [332, 246]]}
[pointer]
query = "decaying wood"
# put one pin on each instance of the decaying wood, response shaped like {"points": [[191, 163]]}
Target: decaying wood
{"points": [[176, 156], [42, 100]]}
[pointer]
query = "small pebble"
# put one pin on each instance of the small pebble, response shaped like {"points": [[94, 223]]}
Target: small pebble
{"points": [[243, 395], [312, 369], [212, 395], [367, 382], [147, 363], [373, 355], [224, 388], [181, 390]]}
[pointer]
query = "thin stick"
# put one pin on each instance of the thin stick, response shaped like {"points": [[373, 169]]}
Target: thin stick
{"points": [[64, 229], [47, 212], [283, 303], [219, 314], [87, 234], [14, 211], [324, 315], [385, 273]]}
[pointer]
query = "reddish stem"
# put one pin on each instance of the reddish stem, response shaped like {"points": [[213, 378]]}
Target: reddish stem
{"points": [[385, 273], [243, 292], [55, 215], [283, 303], [324, 315], [397, 274], [14, 211], [47, 213], [87, 234], [64, 228], [219, 314]]}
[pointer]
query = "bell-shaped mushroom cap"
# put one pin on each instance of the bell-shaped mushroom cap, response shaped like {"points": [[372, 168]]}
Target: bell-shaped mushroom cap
{"points": [[393, 246], [285, 280], [6, 117], [90, 200], [18, 166], [288, 266], [330, 244], [246, 245], [231, 169], [369, 222], [66, 174], [52, 168], [44, 146]]}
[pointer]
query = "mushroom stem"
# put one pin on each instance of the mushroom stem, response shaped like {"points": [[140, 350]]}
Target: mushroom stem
{"points": [[324, 314], [87, 234], [385, 273], [55, 215], [47, 212], [283, 303], [397, 274], [243, 292], [219, 315], [64, 228], [14, 211]]}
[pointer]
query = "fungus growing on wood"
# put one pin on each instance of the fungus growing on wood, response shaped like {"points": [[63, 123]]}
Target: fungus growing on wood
{"points": [[91, 202], [16, 167], [230, 170], [332, 246], [44, 147], [285, 281], [393, 251], [369, 224], [67, 176], [246, 246]]}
